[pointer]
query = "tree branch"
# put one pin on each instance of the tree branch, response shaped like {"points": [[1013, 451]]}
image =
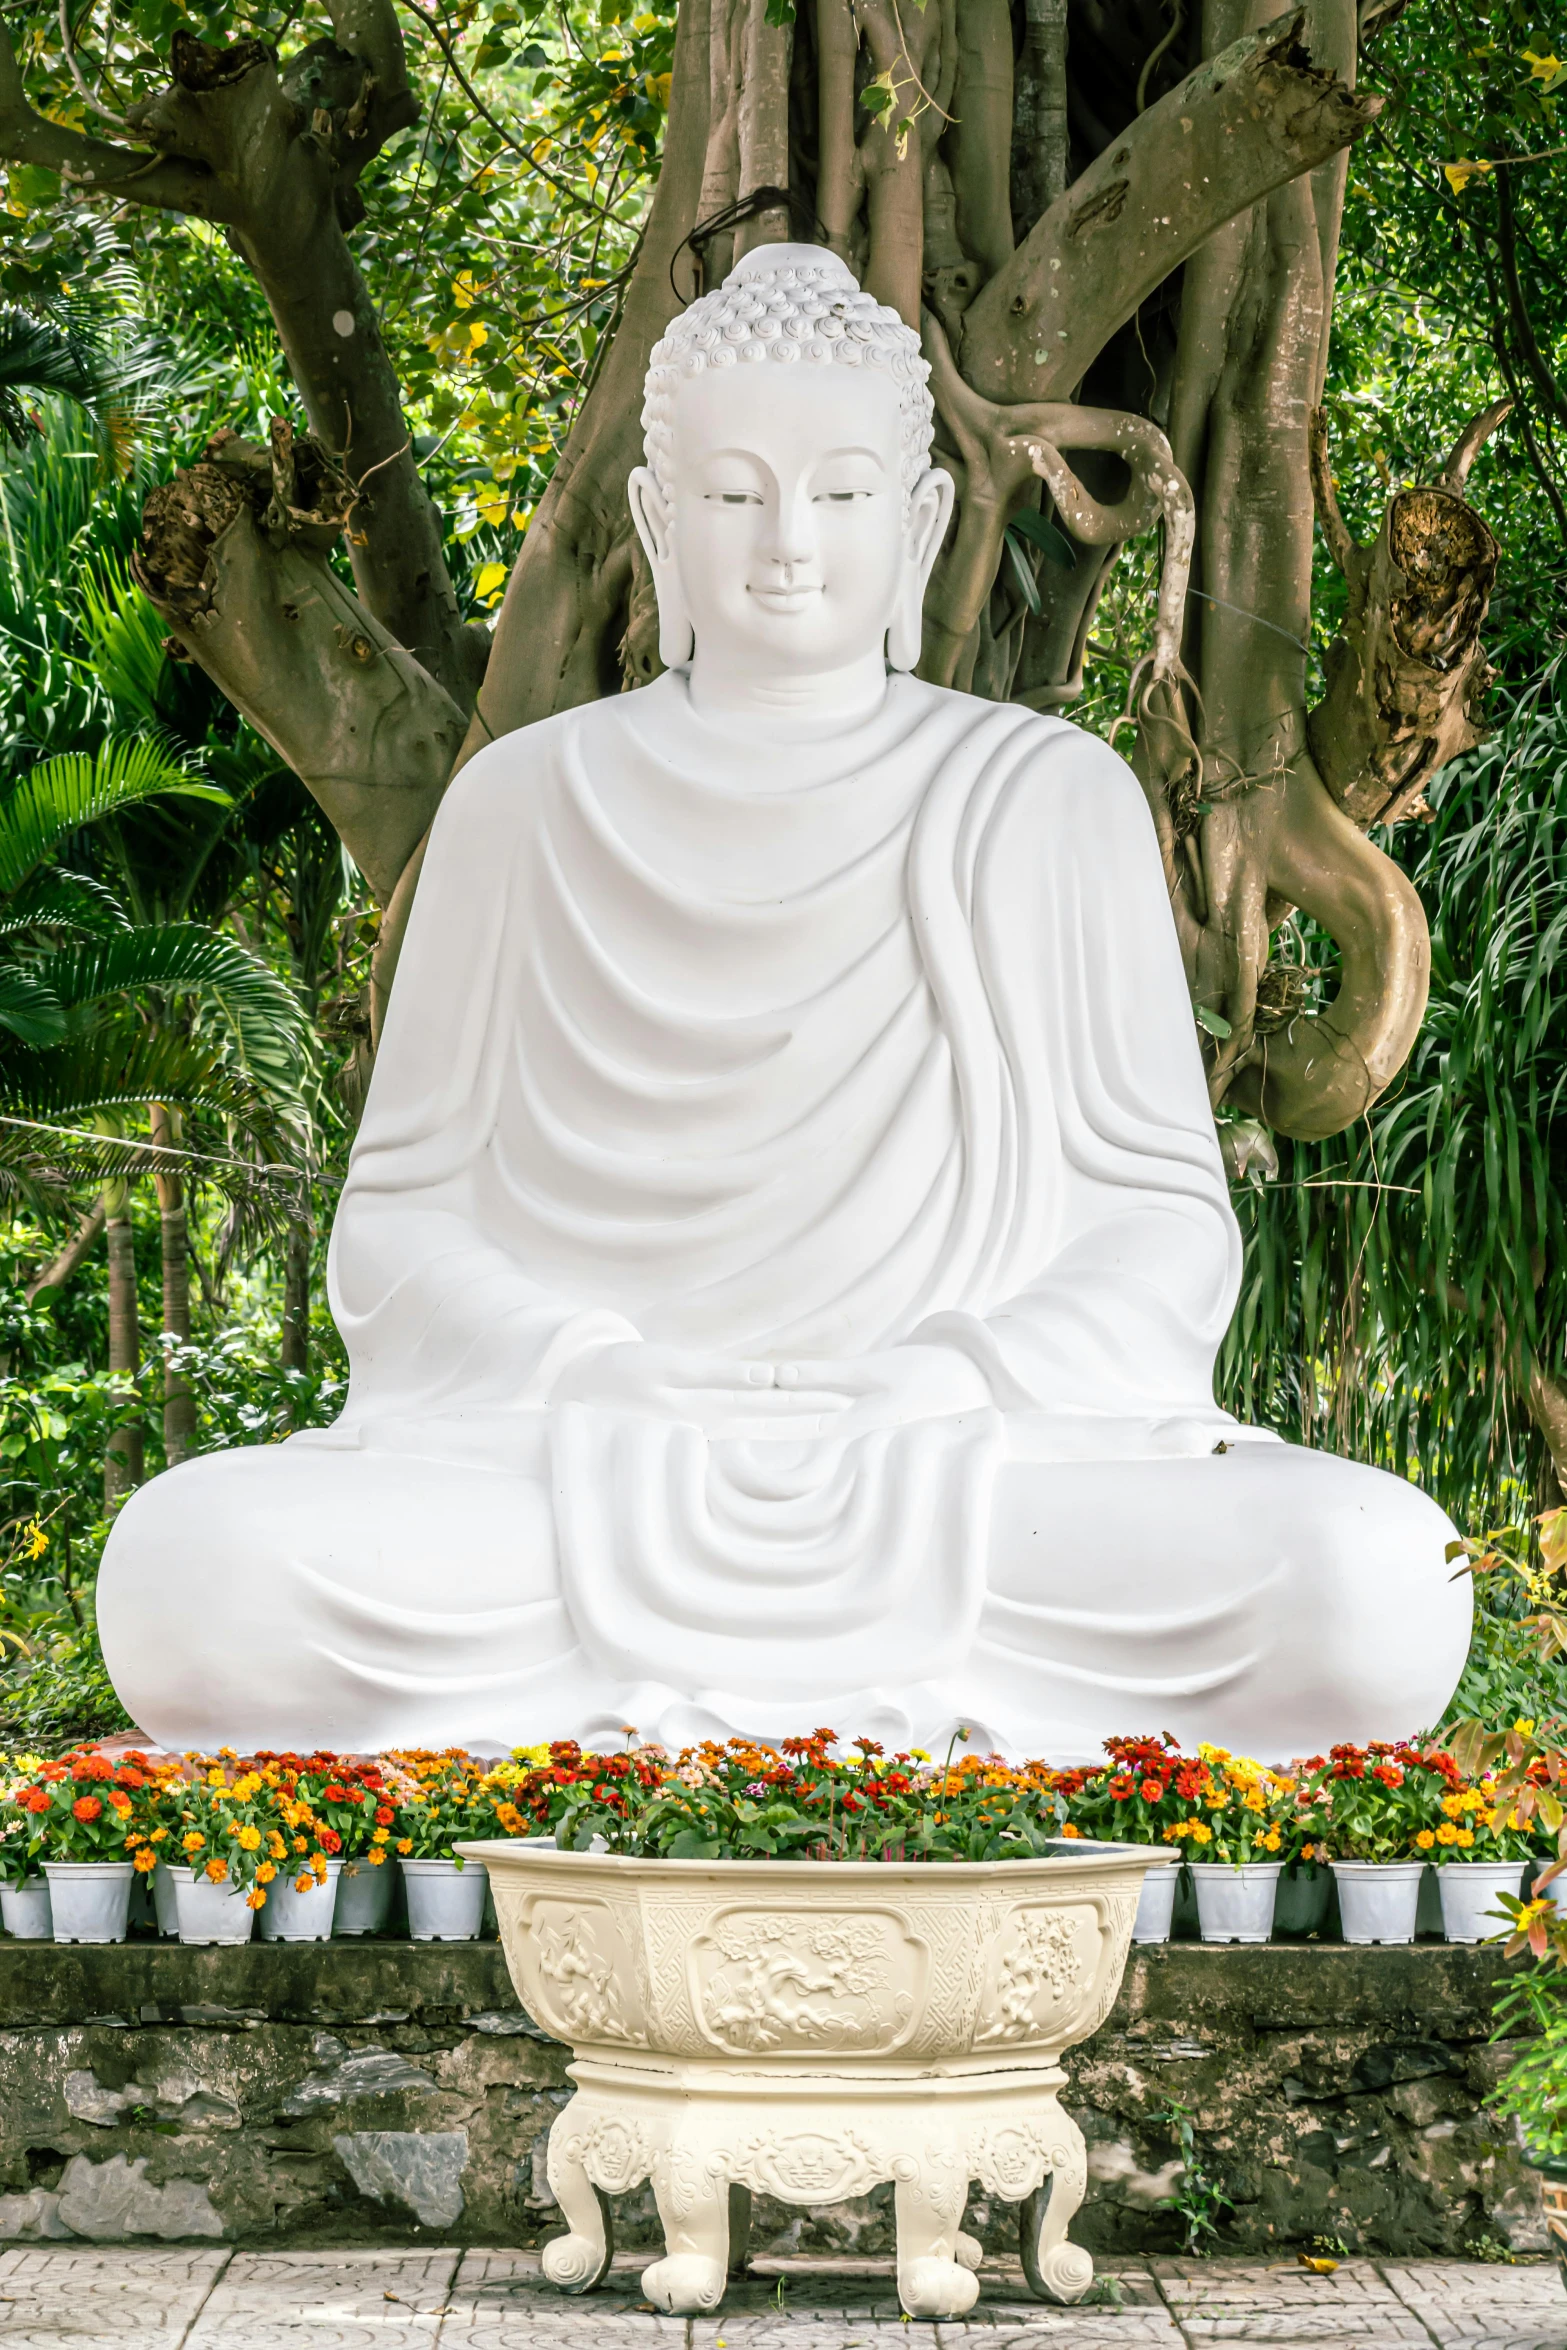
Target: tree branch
{"points": [[96, 166], [1240, 126]]}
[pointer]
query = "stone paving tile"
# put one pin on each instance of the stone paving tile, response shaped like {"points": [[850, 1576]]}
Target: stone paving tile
{"points": [[1283, 2304], [326, 2301], [139, 2300]]}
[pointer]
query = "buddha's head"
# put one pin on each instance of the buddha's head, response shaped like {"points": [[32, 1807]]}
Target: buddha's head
{"points": [[788, 505]]}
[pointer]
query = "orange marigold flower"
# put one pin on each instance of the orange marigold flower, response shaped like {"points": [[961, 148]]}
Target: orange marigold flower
{"points": [[145, 1861], [87, 1808]]}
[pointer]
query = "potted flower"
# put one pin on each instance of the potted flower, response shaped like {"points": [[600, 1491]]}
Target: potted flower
{"points": [[1233, 1817], [1479, 1850], [764, 1957], [304, 1894], [353, 1808], [1380, 1807], [88, 1832], [446, 1799], [219, 1856], [1137, 1801], [24, 1889]]}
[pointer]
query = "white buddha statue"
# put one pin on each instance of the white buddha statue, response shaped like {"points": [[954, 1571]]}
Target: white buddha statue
{"points": [[785, 1250]]}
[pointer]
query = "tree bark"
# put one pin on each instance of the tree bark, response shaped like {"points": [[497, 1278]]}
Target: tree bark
{"points": [[294, 1351], [124, 1459], [179, 1398]]}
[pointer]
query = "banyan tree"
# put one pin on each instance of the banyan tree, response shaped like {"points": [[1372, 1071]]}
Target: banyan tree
{"points": [[1114, 223]]}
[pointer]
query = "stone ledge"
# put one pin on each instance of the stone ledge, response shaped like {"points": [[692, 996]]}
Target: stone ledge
{"points": [[356, 2092]]}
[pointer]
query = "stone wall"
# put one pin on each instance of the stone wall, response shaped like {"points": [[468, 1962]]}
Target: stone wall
{"points": [[351, 2091]]}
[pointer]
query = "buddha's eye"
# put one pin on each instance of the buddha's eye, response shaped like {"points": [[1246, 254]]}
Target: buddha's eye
{"points": [[735, 497], [841, 497]]}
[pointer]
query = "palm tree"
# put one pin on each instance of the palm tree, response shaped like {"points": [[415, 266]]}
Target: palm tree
{"points": [[88, 1045]]}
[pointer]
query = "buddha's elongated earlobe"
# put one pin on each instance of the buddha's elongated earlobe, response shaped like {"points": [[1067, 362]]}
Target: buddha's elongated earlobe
{"points": [[930, 510], [655, 528]]}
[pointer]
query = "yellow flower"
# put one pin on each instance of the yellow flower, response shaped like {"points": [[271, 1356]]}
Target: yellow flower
{"points": [[1201, 1832], [146, 1860], [193, 1840], [249, 1838], [375, 1858], [1270, 1842], [1424, 1841], [1524, 1726], [381, 1836], [275, 1844], [1454, 1806], [217, 1869], [1447, 1833], [301, 1843], [1464, 1838], [405, 1845], [255, 1898], [216, 1779], [304, 1882], [159, 1834], [265, 1873], [1255, 1800]]}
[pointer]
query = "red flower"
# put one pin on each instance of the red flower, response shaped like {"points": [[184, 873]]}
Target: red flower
{"points": [[87, 1807], [1150, 1790], [92, 1766], [331, 1841], [333, 1793], [1121, 1789], [384, 1815], [1389, 1774], [54, 1772], [36, 1799]]}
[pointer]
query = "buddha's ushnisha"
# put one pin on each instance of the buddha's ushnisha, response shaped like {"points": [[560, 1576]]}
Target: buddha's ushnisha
{"points": [[785, 1251]]}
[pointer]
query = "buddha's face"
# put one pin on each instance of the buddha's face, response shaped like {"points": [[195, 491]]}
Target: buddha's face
{"points": [[781, 540]]}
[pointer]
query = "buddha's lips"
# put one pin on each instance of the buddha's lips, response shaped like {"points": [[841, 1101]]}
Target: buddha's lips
{"points": [[780, 599]]}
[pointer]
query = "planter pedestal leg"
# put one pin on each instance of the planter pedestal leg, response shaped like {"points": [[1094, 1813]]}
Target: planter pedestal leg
{"points": [[1056, 2270], [580, 2260], [693, 2203], [928, 2198]]}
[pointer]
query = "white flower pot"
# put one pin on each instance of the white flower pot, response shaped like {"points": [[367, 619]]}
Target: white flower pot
{"points": [[208, 1912], [89, 1900], [1469, 1891], [778, 2025], [24, 1910], [445, 1902], [292, 1916], [1156, 1905], [1303, 1898], [165, 1907], [1235, 1899], [364, 1897], [1378, 1899]]}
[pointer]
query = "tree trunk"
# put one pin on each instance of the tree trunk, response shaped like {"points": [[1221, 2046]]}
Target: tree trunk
{"points": [[1111, 221], [294, 1353], [179, 1400], [124, 1463]]}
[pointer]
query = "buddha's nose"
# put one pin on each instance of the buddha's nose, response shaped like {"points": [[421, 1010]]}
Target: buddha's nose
{"points": [[793, 541]]}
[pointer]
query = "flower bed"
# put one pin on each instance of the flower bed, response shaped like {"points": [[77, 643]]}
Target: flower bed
{"points": [[258, 1822]]}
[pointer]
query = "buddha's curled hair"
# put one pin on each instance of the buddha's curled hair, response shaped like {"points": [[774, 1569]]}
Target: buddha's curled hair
{"points": [[799, 305]]}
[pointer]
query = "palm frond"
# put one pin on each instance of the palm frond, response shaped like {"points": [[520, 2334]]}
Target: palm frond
{"points": [[259, 1014], [29, 1007], [37, 357], [125, 1065], [79, 788]]}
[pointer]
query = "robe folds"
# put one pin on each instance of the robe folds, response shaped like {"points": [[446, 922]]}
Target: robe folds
{"points": [[785, 1052]]}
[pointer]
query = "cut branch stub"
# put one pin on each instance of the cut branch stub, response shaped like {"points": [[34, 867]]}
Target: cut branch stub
{"points": [[237, 572], [1406, 673]]}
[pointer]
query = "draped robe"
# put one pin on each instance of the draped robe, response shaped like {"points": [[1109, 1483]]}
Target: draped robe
{"points": [[786, 1051]]}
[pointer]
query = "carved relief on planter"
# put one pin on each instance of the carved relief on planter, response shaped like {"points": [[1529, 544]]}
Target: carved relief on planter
{"points": [[809, 2029]]}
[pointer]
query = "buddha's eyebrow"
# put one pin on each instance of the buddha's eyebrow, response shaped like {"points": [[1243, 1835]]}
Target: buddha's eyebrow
{"points": [[854, 449]]}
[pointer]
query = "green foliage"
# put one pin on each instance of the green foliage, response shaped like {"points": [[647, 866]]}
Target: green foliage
{"points": [[1533, 2092], [1198, 2201]]}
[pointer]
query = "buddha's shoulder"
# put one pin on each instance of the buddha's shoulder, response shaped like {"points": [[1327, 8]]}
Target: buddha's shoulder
{"points": [[1047, 760]]}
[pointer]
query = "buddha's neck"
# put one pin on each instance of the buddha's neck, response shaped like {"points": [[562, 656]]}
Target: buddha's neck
{"points": [[800, 707]]}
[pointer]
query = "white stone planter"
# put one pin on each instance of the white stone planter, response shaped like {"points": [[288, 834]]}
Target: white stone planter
{"points": [[445, 1902], [1156, 1903], [89, 1900], [1235, 1898], [292, 1916], [809, 2029], [165, 1908], [1378, 1900], [25, 1912], [364, 1897], [1469, 1891], [208, 1912]]}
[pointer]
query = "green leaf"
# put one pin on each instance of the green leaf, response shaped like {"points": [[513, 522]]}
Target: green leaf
{"points": [[1024, 575], [1215, 1022], [79, 788], [688, 1845], [1053, 544]]}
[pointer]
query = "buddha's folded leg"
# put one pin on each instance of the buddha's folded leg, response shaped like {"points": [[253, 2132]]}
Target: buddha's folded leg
{"points": [[309, 1594], [1269, 1599]]}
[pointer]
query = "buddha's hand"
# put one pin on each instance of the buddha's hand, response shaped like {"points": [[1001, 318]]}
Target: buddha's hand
{"points": [[889, 1389], [725, 1394]]}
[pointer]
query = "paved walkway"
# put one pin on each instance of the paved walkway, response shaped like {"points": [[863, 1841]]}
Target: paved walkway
{"points": [[66, 2298]]}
